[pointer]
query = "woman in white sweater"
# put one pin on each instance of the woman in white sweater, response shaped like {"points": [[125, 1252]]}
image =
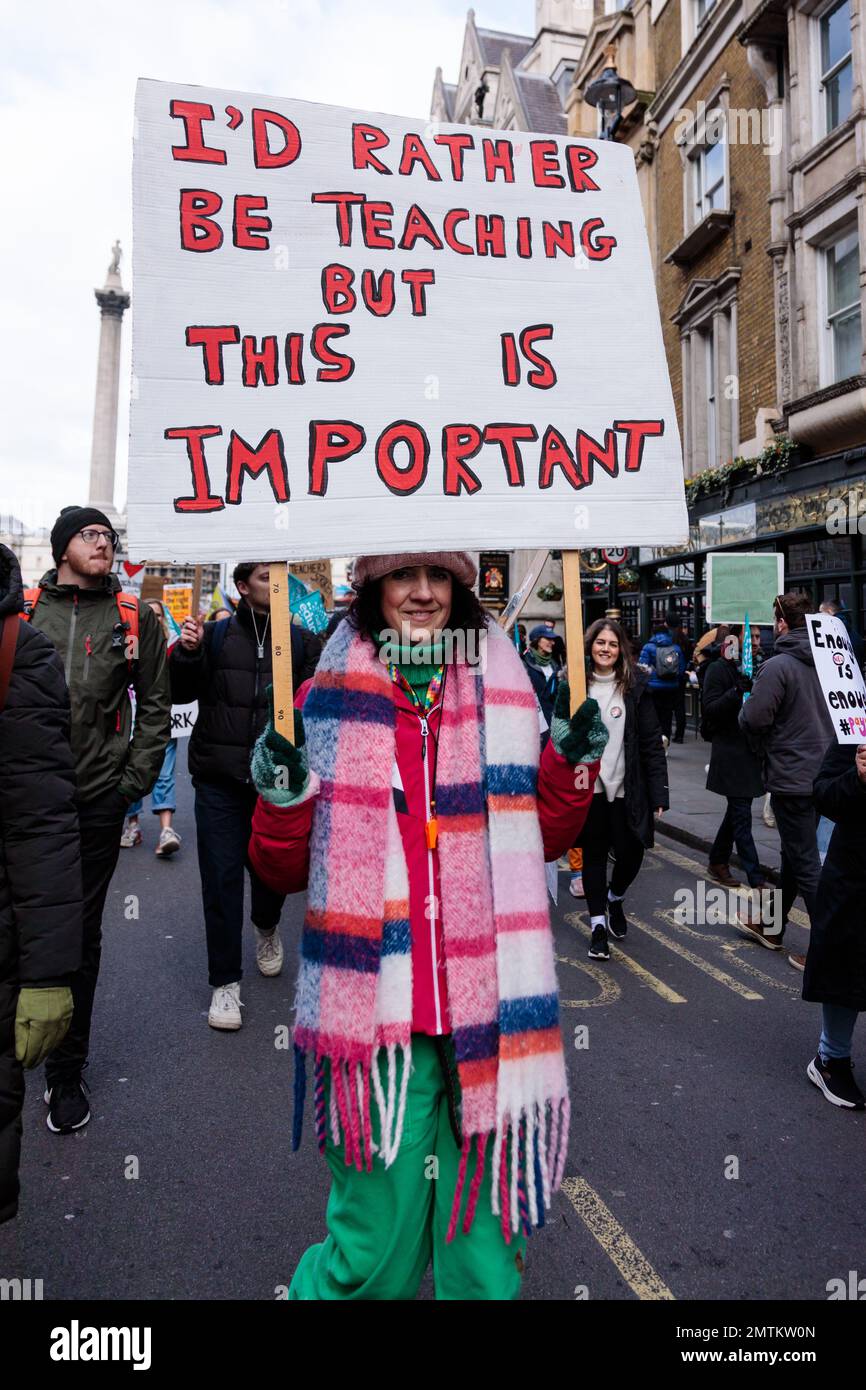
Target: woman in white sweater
{"points": [[631, 785]]}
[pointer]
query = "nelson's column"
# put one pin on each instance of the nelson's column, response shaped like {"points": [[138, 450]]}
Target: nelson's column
{"points": [[113, 300]]}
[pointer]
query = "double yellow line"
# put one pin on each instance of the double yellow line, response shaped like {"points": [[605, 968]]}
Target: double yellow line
{"points": [[600, 1221]]}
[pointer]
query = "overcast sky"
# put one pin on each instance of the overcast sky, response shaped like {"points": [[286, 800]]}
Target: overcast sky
{"points": [[67, 85]]}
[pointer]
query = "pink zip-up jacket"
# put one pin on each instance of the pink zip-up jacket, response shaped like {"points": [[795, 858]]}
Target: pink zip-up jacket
{"points": [[280, 843]]}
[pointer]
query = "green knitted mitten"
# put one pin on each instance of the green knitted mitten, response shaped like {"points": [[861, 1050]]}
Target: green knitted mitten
{"points": [[280, 769], [582, 738]]}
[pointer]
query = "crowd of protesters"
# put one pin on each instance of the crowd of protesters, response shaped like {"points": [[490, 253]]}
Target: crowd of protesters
{"points": [[428, 1030]]}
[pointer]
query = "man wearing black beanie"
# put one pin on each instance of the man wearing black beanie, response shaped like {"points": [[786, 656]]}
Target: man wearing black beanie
{"points": [[107, 643]]}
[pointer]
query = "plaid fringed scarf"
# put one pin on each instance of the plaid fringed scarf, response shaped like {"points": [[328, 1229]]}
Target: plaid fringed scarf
{"points": [[354, 997]]}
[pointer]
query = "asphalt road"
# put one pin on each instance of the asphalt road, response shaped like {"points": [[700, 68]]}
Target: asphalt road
{"points": [[702, 1163]]}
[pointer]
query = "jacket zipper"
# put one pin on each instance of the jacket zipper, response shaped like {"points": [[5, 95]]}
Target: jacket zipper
{"points": [[88, 653], [433, 905], [73, 623]]}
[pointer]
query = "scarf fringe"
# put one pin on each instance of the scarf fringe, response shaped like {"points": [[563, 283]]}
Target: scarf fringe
{"points": [[299, 1098], [527, 1164], [528, 1151], [355, 1085]]}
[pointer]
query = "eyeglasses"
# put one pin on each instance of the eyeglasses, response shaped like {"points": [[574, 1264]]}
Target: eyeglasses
{"points": [[90, 537]]}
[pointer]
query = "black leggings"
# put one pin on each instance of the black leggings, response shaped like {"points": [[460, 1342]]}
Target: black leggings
{"points": [[606, 828]]}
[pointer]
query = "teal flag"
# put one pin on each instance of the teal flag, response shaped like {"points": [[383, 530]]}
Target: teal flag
{"points": [[312, 612]]}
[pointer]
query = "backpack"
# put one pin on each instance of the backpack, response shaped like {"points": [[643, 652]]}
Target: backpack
{"points": [[668, 661], [127, 607]]}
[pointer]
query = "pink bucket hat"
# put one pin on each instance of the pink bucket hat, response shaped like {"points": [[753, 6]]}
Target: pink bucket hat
{"points": [[459, 562]]}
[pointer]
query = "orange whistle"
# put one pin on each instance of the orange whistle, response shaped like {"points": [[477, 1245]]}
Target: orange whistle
{"points": [[432, 831]]}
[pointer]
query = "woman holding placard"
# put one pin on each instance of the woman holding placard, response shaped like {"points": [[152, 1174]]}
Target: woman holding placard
{"points": [[632, 782], [419, 818]]}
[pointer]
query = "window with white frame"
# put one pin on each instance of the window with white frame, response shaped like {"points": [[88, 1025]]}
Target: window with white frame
{"points": [[842, 324], [702, 9], [707, 322], [835, 64], [709, 173]]}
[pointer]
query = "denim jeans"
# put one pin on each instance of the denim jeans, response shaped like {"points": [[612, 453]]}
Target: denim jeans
{"points": [[736, 827], [837, 1030], [825, 830], [162, 797]]}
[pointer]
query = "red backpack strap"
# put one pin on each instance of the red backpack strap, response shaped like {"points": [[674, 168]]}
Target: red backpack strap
{"points": [[8, 641], [127, 607], [31, 598]]}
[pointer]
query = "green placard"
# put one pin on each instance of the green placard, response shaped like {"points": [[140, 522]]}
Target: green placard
{"points": [[738, 584]]}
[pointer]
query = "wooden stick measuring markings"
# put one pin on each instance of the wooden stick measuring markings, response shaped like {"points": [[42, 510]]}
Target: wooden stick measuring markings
{"points": [[574, 627], [281, 650]]}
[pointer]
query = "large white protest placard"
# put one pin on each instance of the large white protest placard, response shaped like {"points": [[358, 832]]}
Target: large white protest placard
{"points": [[355, 331], [840, 676]]}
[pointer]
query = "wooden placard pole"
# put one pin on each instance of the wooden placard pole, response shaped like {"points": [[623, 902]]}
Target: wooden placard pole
{"points": [[281, 650], [196, 592], [574, 627]]}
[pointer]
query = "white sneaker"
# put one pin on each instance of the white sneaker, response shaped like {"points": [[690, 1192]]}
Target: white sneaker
{"points": [[269, 951], [169, 843], [225, 1007]]}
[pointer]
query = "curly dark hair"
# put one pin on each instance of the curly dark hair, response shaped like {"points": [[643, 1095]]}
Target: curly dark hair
{"points": [[625, 667], [467, 615]]}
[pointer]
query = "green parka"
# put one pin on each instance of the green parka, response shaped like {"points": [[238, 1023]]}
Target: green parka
{"points": [[85, 627]]}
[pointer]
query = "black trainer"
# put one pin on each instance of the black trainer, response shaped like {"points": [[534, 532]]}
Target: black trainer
{"points": [[834, 1078], [617, 922], [598, 949], [68, 1108]]}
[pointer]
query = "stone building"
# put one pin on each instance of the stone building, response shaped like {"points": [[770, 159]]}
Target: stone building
{"points": [[811, 57], [31, 546], [748, 134], [624, 36], [749, 139], [519, 82]]}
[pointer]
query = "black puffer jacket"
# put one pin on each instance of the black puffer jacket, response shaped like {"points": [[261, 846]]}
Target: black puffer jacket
{"points": [[40, 869], [646, 770], [836, 964], [232, 694]]}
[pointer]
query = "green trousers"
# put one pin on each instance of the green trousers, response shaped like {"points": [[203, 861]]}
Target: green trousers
{"points": [[385, 1226]]}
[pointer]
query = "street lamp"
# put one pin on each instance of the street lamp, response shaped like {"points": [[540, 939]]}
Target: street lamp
{"points": [[610, 93]]}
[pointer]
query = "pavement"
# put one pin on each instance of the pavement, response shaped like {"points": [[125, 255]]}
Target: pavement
{"points": [[696, 814], [702, 1162]]}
